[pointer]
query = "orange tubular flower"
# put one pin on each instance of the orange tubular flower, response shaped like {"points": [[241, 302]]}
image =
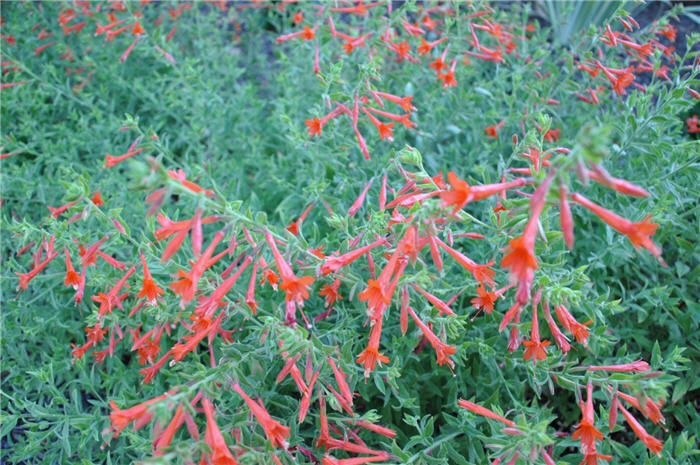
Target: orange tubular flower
{"points": [[291, 368], [634, 367], [359, 9], [332, 443], [166, 437], [638, 233], [307, 34], [586, 429], [592, 457], [403, 119], [181, 177], [295, 225], [426, 47], [600, 175], [203, 327], [169, 227], [442, 350], [220, 453], [97, 199], [138, 29], [296, 288], [56, 212], [315, 125], [438, 65], [250, 295], [112, 298], [561, 340], [370, 356], [462, 193], [578, 330], [207, 307], [441, 306], [377, 294], [565, 218], [520, 258], [385, 130], [404, 102], [150, 289], [483, 411], [330, 292], [342, 383], [325, 436], [388, 432], [651, 410], [359, 201], [486, 299], [186, 287], [448, 78], [536, 349], [72, 277], [111, 161], [482, 273], [492, 131], [328, 460], [306, 398], [650, 441], [121, 418], [275, 432]]}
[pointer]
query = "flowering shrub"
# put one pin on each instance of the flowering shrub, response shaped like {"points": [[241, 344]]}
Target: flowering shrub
{"points": [[346, 233]]}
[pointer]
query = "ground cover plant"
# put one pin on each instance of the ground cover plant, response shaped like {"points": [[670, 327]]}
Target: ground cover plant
{"points": [[346, 233]]}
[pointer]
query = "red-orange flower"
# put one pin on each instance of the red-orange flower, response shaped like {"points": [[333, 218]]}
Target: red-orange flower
{"points": [[181, 177], [294, 226], [370, 356], [165, 438], [586, 430], [535, 348], [378, 292], [220, 453], [634, 367], [438, 65], [150, 289], [72, 277], [120, 419], [578, 330], [342, 383], [112, 298], [296, 288], [482, 273], [330, 292], [442, 350], [111, 161], [483, 411], [462, 193], [651, 409], [639, 233], [385, 129], [650, 441], [275, 432], [314, 125], [520, 258], [97, 199], [138, 29], [559, 337], [439, 304]]}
